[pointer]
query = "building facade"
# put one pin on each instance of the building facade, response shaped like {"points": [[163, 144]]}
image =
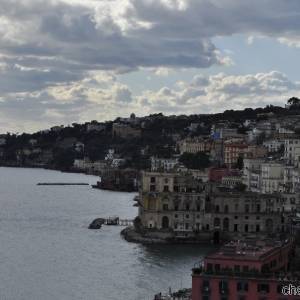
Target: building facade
{"points": [[247, 271]]}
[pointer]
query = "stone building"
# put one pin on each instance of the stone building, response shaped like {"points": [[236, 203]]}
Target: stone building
{"points": [[186, 207], [125, 131], [171, 201]]}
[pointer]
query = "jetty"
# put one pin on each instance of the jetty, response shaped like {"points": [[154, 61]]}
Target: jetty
{"points": [[118, 222], [111, 221], [62, 183]]}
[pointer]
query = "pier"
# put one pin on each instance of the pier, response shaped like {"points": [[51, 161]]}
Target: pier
{"points": [[116, 221]]}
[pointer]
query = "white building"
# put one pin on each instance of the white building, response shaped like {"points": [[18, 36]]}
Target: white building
{"points": [[292, 151], [252, 173], [163, 164], [272, 177], [273, 145]]}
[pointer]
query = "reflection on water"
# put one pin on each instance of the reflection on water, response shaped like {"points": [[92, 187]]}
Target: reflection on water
{"points": [[47, 252]]}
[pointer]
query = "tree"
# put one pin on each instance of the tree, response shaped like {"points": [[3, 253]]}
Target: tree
{"points": [[199, 160], [294, 101]]}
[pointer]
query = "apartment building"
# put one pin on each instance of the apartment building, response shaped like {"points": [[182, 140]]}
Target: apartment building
{"points": [[292, 151]]}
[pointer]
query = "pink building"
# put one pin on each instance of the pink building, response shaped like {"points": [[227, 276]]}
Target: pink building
{"points": [[240, 271]]}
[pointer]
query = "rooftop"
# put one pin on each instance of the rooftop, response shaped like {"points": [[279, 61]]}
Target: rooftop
{"points": [[240, 250]]}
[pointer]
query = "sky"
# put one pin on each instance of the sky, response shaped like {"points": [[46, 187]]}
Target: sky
{"points": [[65, 61]]}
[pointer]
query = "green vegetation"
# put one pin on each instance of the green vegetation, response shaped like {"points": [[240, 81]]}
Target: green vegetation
{"points": [[198, 161]]}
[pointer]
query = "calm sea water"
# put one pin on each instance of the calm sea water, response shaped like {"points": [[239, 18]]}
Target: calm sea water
{"points": [[47, 252]]}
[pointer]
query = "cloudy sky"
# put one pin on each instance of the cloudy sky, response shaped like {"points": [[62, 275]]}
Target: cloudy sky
{"points": [[64, 61]]}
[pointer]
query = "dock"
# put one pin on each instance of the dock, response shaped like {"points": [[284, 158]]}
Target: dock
{"points": [[116, 221]]}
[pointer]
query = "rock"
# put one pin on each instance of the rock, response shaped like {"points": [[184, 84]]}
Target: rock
{"points": [[97, 223]]}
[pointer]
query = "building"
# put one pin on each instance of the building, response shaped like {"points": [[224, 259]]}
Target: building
{"points": [[125, 131], [232, 152], [232, 214], [255, 151], [252, 174], [272, 177], [247, 270], [273, 145], [94, 167], [186, 207], [163, 164], [231, 181], [292, 151], [224, 133], [94, 126], [195, 145], [171, 201]]}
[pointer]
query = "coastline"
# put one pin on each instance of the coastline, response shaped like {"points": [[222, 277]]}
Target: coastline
{"points": [[159, 237], [74, 171]]}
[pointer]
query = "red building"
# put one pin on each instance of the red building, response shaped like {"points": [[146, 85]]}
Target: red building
{"points": [[243, 271], [232, 151]]}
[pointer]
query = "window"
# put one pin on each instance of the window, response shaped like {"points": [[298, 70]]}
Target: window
{"points": [[246, 228], [165, 206], [245, 269], [166, 188], [187, 225], [187, 216], [152, 180], [187, 207], [257, 228], [217, 208], [152, 188], [246, 217], [236, 217], [223, 287], [226, 209], [263, 288], [205, 287], [258, 208], [246, 208], [217, 267], [209, 267], [236, 207], [235, 227], [198, 207], [242, 286], [176, 216], [176, 207], [166, 180], [237, 268]]}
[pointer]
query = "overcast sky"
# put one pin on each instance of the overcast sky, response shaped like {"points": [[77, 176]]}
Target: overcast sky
{"points": [[73, 61]]}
